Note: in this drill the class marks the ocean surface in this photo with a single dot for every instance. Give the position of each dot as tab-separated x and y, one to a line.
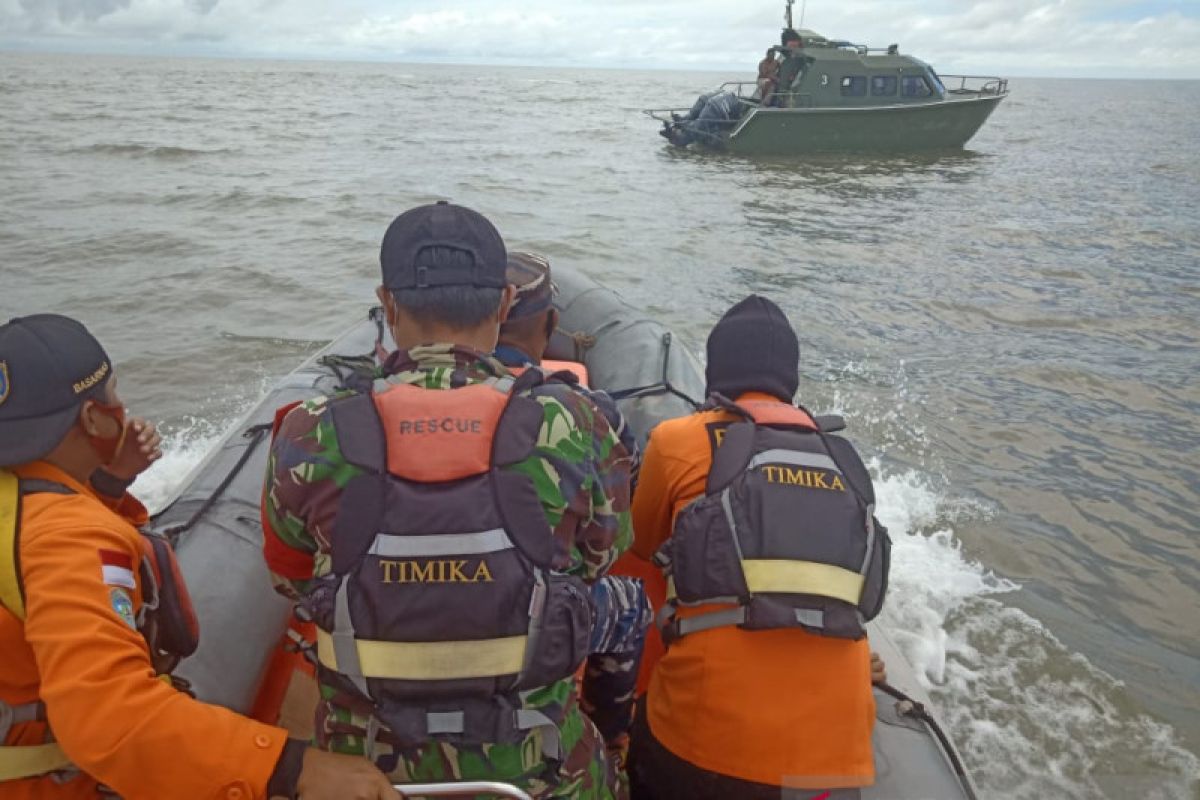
1012	330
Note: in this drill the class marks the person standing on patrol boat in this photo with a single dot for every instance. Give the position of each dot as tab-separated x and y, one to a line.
764	523
80	704
442	529
623	613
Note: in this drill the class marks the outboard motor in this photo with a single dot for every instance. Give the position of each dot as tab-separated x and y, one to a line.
712	115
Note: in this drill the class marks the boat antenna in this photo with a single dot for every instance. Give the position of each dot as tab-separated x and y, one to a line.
803	8
788	14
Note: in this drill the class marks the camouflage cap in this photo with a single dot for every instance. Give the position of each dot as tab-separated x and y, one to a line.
530	273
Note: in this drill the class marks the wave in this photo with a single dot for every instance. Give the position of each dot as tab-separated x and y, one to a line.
164	152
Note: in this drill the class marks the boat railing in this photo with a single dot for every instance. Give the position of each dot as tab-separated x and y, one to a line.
782	99
463	789
974	84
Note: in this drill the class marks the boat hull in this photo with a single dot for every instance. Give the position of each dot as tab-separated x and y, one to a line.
946	124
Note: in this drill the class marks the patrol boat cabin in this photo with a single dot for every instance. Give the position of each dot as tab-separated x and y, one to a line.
836	95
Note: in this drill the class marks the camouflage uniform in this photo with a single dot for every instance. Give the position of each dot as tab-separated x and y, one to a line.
623	612
581	473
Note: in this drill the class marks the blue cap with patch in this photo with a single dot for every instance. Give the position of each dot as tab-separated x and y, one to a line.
49	365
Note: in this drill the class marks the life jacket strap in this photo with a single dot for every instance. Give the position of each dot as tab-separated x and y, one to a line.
451	723
674	628
27	761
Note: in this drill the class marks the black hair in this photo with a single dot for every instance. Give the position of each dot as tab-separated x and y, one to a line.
456	306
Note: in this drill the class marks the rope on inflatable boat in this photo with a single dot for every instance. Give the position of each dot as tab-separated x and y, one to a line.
255	434
907	707
664	386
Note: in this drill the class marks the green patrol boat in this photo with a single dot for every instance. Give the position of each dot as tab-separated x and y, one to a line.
816	94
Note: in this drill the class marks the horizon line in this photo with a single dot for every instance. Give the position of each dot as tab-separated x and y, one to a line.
501	62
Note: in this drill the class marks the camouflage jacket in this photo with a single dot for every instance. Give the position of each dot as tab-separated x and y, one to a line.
581	473
623	612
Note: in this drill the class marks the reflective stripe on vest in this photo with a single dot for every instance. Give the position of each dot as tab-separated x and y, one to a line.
780	576
428	661
10	511
446	544
803	577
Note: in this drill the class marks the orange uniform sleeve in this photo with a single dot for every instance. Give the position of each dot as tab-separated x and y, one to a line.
654	501
109	712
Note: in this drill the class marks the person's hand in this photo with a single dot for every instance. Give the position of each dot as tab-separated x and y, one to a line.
878	669
142	447
331	776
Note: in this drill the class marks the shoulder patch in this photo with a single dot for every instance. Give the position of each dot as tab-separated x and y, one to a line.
122	604
4	383
716	433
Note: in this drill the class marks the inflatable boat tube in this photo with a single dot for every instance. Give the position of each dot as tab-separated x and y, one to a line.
214	521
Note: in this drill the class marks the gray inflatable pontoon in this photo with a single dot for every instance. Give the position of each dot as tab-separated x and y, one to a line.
214	520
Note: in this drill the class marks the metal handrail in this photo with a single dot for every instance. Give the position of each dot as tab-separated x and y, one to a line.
991	84
460	789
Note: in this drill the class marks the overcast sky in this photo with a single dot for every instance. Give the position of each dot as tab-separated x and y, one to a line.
1085	38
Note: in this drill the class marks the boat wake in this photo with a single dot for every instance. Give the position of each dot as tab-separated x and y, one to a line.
1031	718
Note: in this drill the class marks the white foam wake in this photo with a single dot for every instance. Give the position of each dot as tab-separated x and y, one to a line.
183	450
1032	719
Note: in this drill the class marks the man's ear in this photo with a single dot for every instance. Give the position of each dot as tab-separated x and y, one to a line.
506	300
551	322
389	305
88	419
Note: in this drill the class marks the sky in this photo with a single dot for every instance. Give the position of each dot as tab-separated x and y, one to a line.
1053	38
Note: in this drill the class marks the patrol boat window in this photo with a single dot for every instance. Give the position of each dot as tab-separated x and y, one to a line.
883	85
915	86
854	86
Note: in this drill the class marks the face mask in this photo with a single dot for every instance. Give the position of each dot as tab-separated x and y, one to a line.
107	448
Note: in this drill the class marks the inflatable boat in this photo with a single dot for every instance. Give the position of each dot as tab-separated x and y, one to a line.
214	521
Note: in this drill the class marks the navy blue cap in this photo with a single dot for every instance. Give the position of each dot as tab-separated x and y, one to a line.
49	365
442	225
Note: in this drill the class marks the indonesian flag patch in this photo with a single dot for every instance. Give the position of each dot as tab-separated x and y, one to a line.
117	569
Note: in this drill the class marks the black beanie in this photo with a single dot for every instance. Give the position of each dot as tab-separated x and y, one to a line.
753	349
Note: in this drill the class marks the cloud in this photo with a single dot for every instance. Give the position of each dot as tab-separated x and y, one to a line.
1086	37
41	12
202	6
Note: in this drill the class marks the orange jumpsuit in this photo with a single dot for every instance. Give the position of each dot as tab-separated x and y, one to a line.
780	707
119	724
